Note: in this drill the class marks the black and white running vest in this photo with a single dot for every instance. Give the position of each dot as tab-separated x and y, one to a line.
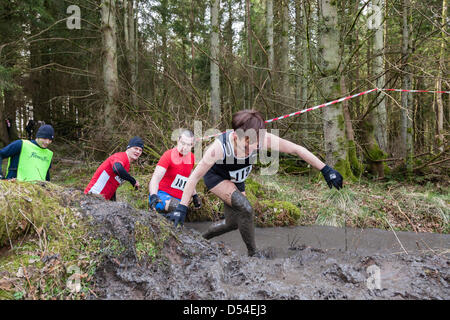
231	168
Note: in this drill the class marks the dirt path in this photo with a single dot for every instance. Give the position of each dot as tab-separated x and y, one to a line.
189	267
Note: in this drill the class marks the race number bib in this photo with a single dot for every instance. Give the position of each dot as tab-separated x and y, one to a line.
179	182
240	175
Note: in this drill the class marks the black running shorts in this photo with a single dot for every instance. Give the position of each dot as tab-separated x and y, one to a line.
212	179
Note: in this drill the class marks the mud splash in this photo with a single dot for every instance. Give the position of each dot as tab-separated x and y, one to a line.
182	265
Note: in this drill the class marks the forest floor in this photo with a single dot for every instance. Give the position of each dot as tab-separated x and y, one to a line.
66	245
57	243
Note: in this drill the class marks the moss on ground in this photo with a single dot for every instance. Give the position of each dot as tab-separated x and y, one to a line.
50	250
46	244
276	213
149	244
270	211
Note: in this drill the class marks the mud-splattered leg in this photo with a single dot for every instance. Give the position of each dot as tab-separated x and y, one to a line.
242	210
229	224
245	220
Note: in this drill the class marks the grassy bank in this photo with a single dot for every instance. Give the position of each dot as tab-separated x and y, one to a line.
365	204
50	249
44	243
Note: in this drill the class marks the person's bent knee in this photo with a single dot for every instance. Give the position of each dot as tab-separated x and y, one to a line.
240	203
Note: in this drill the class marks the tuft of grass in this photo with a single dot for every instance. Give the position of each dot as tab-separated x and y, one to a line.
145	245
364	204
151	239
337	207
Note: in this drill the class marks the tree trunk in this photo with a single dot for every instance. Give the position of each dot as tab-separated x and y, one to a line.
285	90
270	51
406	113
299	69
249	51
372	152
132	50
305	62
379	116
441	72
4	137
301	57
374	129
229	106
269	31
41	82
333	119
11	106
125	24
192	29
215	75
355	82
35	77
110	75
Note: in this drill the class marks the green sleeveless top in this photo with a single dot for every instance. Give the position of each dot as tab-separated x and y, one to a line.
34	162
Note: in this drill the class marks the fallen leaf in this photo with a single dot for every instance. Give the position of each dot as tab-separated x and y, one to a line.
19	273
5	284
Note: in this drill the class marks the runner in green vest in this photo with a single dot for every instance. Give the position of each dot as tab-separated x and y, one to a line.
30	160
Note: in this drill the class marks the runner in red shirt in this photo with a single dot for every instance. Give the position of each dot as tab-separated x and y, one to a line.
170	176
114	171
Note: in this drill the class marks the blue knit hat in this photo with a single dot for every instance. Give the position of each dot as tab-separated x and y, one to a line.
46	132
136	142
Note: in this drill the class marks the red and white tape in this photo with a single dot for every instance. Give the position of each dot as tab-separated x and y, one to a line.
414	91
334	102
321	106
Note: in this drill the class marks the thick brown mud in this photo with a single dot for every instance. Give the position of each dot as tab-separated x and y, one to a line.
190	267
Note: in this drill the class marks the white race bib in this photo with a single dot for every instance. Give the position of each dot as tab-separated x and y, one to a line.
240	175
179	182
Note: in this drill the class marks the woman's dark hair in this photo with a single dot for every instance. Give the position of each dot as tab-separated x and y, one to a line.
247	119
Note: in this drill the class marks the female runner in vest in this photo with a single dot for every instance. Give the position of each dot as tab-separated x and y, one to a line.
227	163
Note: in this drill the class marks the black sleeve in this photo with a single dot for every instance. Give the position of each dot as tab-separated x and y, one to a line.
47	177
122	173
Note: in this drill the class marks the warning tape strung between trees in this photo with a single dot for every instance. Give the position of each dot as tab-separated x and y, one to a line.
334	102
321	106
415	91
